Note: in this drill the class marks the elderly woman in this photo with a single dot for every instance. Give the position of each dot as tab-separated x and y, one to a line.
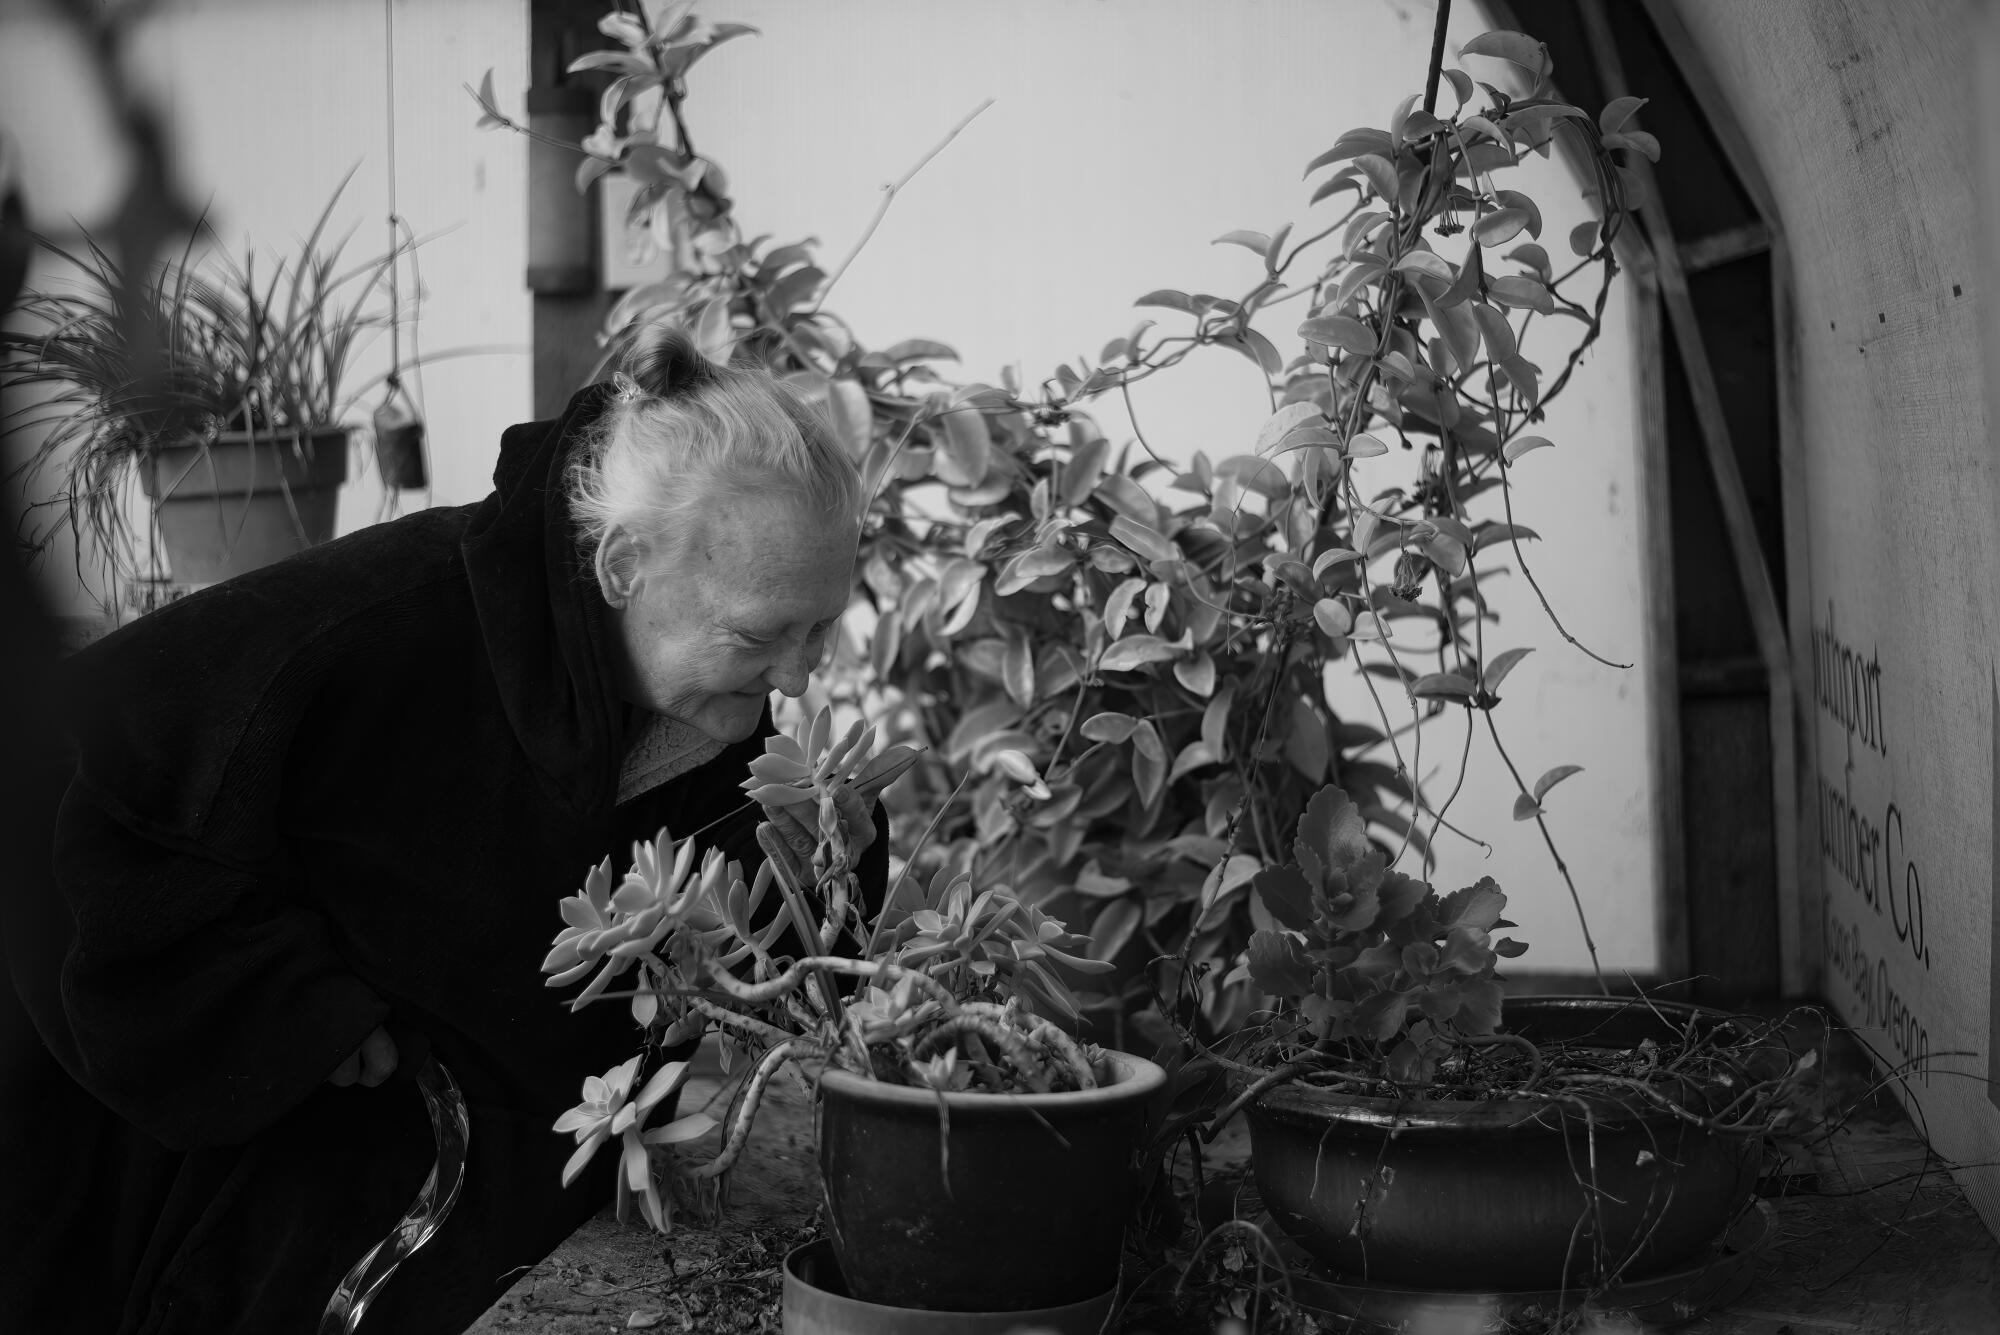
321	819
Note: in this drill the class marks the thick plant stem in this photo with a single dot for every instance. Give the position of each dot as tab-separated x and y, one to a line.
1010	1043
1065	1047
753	1097
1437	56
758	994
748	1024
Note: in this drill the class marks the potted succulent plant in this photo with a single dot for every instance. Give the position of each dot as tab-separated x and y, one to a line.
219	387
974	1156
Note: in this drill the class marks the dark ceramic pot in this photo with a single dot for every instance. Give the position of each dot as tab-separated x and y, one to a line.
1499	1194
1028	1210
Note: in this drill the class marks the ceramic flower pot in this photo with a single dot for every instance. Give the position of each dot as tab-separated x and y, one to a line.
1027	1209
1511	1193
817	1303
234	505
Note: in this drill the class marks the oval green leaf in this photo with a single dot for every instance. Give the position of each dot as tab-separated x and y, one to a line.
1554	777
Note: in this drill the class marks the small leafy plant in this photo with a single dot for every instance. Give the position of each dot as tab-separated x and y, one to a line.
1379	984
1370	962
956	989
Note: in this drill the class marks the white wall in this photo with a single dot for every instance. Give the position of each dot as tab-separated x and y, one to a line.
1863	118
1127	134
269	105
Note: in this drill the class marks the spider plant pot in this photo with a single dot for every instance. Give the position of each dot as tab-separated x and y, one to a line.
1516	1192
1026	1211
240	502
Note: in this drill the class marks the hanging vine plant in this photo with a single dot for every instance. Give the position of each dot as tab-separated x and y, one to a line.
1128	654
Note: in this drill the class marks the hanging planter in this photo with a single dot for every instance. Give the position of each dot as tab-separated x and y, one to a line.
399	441
240	502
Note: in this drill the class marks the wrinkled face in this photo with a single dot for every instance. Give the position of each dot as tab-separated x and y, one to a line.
740	609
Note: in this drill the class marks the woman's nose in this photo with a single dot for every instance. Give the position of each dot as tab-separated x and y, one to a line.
787	675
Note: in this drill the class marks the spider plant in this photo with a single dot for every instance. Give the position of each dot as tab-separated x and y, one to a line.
118	367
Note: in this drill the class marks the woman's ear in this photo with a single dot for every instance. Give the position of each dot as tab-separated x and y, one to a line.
617	563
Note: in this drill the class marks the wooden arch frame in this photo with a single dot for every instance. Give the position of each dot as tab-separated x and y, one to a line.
1714	332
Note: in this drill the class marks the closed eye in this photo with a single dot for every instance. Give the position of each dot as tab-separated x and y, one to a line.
755	640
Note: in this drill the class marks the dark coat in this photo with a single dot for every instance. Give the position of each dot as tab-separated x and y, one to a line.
343	791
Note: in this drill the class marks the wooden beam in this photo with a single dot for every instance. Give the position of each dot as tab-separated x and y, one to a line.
1801	928
1714	104
1661	664
1759	593
1720	248
1724	676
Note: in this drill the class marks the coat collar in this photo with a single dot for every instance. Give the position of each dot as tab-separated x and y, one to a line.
540	612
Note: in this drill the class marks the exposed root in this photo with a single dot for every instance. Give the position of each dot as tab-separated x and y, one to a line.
1516	1041
1266	1082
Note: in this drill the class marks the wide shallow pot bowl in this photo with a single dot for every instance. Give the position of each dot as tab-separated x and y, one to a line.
1022	1207
1711	1281
233	505
1511	1193
817	1303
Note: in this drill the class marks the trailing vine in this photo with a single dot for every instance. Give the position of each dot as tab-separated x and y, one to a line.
1126	654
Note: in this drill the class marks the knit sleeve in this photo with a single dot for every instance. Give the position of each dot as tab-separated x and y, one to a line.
201	987
203	1001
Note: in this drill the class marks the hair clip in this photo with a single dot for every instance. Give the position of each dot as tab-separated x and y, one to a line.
625	387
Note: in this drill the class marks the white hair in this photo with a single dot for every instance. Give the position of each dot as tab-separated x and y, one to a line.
684	434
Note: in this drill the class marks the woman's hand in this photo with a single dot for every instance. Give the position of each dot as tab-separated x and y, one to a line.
368	1065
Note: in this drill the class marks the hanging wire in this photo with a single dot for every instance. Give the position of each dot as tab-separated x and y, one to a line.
395	237
413	392
398	423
